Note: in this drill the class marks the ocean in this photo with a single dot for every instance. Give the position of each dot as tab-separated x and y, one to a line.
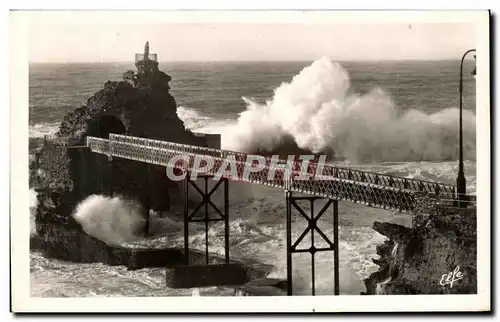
397	117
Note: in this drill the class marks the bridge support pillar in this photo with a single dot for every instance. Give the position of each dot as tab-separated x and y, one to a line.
190	216
147	199
110	174
292	247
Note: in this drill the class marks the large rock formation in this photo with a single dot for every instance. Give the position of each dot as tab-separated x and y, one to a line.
414	260
140	105
64	171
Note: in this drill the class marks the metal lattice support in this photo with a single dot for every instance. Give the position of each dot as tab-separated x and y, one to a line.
147	199
371	189
110	173
206	201
312	227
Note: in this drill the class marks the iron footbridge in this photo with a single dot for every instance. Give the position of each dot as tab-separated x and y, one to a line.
321	180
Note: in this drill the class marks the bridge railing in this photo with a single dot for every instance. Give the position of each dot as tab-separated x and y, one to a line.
272	174
346	184
451	200
372	189
429	204
313	168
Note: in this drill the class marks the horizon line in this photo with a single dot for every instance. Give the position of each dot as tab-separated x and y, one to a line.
248	61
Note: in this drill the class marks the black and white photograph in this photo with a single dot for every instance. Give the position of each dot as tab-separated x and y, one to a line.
184	156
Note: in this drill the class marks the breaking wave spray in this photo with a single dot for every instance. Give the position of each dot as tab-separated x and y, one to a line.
318	109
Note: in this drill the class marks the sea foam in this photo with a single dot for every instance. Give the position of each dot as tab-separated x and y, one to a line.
112	220
39	130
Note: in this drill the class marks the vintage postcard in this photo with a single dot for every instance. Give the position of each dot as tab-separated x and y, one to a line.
250	161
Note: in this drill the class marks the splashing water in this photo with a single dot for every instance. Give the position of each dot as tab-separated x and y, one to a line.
39	130
321	113
196	122
112	220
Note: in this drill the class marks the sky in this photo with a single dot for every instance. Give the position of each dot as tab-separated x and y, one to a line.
249	41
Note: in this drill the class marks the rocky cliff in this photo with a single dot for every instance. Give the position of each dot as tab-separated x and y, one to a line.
425	259
64	171
143	107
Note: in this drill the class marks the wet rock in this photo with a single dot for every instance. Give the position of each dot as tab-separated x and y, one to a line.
263	287
419	260
395	232
206	275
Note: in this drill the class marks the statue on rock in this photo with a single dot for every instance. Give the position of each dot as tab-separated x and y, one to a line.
148	74
145	64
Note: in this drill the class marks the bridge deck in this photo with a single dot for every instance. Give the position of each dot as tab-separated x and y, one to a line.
369	188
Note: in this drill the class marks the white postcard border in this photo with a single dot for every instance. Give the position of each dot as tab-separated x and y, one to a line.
20	262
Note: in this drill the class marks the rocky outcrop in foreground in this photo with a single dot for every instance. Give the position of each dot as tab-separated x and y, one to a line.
427	258
61	236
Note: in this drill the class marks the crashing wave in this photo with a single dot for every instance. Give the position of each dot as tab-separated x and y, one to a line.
318	111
